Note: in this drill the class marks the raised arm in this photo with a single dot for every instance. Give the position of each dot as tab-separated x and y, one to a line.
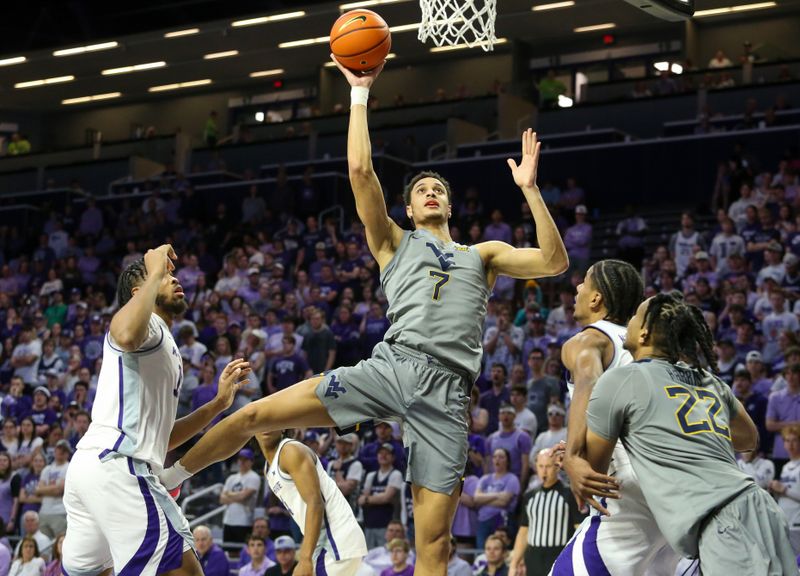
383	235
192	424
299	463
550	259
129	324
582	355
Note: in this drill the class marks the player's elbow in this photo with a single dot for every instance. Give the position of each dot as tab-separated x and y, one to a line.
126	339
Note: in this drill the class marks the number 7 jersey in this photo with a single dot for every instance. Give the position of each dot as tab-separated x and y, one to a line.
437	296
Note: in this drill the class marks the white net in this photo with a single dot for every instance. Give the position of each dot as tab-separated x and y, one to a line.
458	22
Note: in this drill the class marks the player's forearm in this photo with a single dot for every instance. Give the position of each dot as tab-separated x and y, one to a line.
129	325
189	426
576	426
359	148
54	490
382	498
547	235
314	511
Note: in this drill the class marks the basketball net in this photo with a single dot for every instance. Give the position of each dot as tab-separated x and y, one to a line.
458	22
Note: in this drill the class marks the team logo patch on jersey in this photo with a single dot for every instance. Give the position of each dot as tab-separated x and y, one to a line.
445	258
334	388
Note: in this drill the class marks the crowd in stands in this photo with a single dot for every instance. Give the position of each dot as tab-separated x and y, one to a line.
295	297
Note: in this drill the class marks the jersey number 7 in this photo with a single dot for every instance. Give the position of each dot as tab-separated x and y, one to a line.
441	279
692	397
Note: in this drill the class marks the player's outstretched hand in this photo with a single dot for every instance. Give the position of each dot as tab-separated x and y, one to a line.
231	380
586	484
525	173
160	260
364	79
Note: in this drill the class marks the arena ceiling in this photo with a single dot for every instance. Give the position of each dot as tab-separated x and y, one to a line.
138	29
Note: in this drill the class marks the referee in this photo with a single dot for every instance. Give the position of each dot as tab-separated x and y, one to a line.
548	519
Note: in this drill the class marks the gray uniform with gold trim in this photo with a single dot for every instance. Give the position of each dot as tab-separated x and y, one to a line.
674	422
422	373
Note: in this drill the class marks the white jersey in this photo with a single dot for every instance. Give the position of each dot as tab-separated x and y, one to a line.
616	334
629	541
684	250
137	398
341	537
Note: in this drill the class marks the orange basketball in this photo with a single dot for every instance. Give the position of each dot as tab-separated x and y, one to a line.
360	39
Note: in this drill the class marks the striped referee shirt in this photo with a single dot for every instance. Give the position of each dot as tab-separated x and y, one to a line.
550	515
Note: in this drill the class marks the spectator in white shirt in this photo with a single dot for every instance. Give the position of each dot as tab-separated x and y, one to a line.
775	323
787	489
773	264
502	343
724	245
30	527
346	470
555	433
191	348
720	61
525	419
26	355
239	495
52	514
758	468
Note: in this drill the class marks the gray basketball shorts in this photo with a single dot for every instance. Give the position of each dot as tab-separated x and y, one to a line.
749	535
401	384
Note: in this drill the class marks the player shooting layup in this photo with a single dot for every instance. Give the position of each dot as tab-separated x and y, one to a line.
680	425
627	542
422	373
119	516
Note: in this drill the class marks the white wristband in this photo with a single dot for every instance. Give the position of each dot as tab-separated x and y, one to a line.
174	476
359	95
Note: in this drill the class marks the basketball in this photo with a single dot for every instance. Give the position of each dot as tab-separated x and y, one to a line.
360	40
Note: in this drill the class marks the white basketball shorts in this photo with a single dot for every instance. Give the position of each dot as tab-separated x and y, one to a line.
119	515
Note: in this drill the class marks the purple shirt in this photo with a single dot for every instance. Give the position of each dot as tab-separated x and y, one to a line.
46	416
578	240
783	406
244	555
214	562
202	395
491	402
374	331
288	370
501	231
465	521
29	483
489	484
407	571
518	443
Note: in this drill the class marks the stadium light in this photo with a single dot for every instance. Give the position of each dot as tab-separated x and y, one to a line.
594	27
84	49
44	82
266	19
176	85
734	9
564	101
179	33
259	116
262	73
93	98
553	6
226	54
133	68
11	61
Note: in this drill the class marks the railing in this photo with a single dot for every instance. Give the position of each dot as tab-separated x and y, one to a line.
337	209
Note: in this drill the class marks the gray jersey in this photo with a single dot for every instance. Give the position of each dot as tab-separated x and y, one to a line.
437	296
675	425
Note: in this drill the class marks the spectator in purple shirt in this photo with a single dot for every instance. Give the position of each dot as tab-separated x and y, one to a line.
783	409
373	327
497	230
89	264
91	219
188	275
348	337
368	455
517	443
249	290
206	391
260	530
42	416
212	557
15	405
495	396
398	550
496	496
578	240
465	521
287	368
755	404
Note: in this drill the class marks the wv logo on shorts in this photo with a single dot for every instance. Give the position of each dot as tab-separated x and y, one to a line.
334	388
445	258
